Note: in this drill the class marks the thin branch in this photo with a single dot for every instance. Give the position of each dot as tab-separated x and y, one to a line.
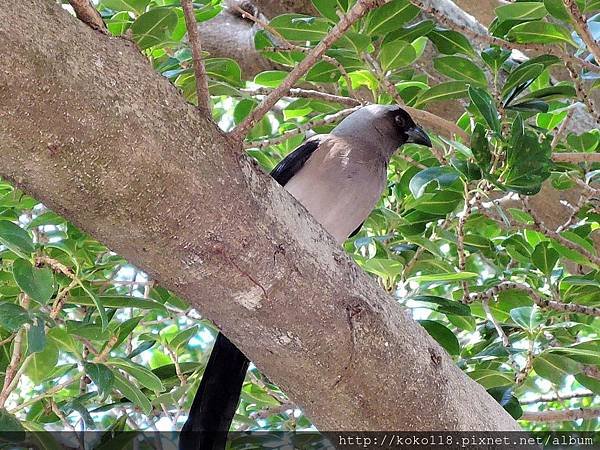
557	397
307	93
541	227
562	415
361	8
86	12
576	157
48	393
13	367
271	411
199	69
580	25
561	130
332	118
536	297
582	92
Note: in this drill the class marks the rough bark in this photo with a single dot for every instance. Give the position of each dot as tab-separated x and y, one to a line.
88	128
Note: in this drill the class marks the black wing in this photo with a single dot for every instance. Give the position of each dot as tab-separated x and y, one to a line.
292	163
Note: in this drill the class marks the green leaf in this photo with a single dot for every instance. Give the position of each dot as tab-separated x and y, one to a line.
442	175
298	27
390	17
443	305
557	9
13	317
382	267
101	375
519	78
47	218
494	57
42	362
97	303
144	376
224	69
489	378
559	92
397	54
461	69
521	11
182	338
36	336
437	277
410	33
481	148
486	106
544	257
119	23
270	78
450	42
463	322
154	27
135	6
539	32
16	239
36	283
329	8
528	163
117	301
554	367
527	317
132	392
10	424
440	203
503	395
442	335
447	90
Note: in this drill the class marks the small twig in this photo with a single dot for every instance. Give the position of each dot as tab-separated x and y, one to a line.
56	410
582	93
199	69
360	8
557	397
536	297
86	12
271	411
562	415
103	355
580	25
55	265
307	93
576	157
48	393
60	299
7	340
561	131
332	118
538	225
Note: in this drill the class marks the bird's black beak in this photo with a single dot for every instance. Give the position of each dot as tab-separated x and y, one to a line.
416	135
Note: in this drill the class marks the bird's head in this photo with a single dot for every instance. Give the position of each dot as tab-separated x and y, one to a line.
388	125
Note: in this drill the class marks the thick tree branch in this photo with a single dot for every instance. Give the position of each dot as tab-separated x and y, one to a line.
199	69
360	8
113	147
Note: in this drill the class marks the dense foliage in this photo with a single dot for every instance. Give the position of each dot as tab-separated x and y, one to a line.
88	341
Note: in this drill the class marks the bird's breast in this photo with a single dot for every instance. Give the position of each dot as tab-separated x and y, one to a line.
338	190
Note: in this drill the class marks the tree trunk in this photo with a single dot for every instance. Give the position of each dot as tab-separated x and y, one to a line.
88	128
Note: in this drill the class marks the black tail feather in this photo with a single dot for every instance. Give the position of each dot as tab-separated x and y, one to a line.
216	400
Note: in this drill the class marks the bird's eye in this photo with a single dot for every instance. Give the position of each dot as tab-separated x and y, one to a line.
400	121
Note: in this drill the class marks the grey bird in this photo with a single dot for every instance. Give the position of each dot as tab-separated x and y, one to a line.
338	177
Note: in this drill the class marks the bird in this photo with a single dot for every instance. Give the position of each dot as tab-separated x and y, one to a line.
338	177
